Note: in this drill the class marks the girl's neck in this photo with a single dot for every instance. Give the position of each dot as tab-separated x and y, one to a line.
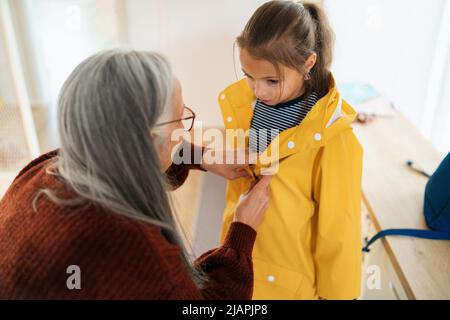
300	93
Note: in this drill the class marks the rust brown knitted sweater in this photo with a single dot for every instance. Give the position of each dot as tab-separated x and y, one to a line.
118	257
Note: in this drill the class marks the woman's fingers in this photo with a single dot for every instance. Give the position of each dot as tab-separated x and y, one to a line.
264	182
235	173
254	203
241	172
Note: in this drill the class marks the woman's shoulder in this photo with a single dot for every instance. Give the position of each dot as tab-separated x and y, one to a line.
39	162
37	176
24	200
29	180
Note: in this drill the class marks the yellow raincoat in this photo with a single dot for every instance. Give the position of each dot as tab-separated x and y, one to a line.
309	244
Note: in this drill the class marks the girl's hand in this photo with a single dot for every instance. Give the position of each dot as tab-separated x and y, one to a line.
230	164
253	204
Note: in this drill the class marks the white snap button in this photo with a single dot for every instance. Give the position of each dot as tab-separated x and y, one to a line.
229	119
291	144
317	137
223	96
271	278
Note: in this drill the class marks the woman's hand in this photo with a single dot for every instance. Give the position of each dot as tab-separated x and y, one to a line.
253	204
230	164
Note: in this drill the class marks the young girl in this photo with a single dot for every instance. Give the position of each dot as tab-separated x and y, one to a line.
309	245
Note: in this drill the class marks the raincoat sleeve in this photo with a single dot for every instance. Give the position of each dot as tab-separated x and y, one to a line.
337	244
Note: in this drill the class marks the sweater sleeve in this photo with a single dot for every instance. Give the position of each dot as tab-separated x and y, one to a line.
177	173
229	268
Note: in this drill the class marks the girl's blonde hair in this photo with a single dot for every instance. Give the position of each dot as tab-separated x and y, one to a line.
287	33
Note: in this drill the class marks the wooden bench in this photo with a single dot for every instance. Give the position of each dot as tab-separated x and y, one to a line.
393	198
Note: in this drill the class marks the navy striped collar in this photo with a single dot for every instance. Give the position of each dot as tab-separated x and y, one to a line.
289	103
277	119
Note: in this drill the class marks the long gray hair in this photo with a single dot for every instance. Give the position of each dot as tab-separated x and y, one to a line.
106	111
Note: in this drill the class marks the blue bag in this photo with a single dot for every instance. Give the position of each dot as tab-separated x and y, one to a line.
436	209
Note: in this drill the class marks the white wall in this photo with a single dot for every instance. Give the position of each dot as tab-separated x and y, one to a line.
7	92
70	32
197	36
387	43
440	134
391	45
53	37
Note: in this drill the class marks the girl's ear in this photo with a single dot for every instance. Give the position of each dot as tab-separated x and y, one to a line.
310	62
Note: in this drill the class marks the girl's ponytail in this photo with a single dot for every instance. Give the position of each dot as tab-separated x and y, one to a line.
324	42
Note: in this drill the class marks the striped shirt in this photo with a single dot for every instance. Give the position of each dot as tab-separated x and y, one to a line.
270	121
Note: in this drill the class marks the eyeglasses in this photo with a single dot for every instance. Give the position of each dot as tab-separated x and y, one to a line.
187	120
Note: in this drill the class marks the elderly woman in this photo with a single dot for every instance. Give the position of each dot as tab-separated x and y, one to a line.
92	220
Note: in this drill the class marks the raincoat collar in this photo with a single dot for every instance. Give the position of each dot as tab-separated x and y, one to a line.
327	118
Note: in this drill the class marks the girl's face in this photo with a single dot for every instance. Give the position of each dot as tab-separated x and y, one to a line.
267	85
